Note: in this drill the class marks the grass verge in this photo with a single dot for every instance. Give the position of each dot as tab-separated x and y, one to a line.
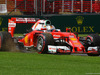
47	64
80	35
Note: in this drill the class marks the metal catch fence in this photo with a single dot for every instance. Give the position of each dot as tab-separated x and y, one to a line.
52	7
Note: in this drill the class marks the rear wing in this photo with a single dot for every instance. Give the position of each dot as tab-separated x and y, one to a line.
12	23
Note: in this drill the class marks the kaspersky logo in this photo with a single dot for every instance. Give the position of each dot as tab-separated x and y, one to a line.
79	20
1	19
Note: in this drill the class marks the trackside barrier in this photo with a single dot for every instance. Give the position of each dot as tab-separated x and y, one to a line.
78	23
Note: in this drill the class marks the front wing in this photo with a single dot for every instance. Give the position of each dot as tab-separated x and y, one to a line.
58	49
65	49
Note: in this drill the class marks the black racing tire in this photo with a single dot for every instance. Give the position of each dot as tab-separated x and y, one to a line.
43	41
7	43
90	54
93	40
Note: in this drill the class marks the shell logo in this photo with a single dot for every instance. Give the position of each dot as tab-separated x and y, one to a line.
73	39
26	39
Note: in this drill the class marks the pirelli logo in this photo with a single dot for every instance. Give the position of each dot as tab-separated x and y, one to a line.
0	41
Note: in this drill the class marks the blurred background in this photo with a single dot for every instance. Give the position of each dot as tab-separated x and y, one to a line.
82	16
45	7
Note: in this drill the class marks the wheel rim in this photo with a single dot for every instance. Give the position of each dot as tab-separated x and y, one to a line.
89	41
40	44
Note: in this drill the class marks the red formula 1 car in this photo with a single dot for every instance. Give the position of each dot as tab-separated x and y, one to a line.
50	41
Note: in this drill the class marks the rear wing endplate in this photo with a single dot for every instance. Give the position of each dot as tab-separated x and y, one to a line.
12	23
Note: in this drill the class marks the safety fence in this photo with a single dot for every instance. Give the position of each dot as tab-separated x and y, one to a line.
52	7
2	2
72	6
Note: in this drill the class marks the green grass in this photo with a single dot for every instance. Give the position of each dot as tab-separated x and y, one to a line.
82	35
18	35
47	64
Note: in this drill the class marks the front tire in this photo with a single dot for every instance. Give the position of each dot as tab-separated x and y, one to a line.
43	41
93	40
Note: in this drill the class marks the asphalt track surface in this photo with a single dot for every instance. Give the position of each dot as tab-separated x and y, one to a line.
34	51
79	54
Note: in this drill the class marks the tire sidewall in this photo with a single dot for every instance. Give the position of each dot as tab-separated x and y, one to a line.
95	39
47	40
41	36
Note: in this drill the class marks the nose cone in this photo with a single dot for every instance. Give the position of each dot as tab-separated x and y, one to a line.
77	46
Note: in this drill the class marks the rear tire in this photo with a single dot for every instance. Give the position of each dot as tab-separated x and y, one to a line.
7	43
43	41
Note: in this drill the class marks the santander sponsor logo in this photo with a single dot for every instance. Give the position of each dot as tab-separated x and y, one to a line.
52	48
56	36
20	19
31	20
25	20
11	24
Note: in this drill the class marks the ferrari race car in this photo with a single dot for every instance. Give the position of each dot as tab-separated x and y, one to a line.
48	41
